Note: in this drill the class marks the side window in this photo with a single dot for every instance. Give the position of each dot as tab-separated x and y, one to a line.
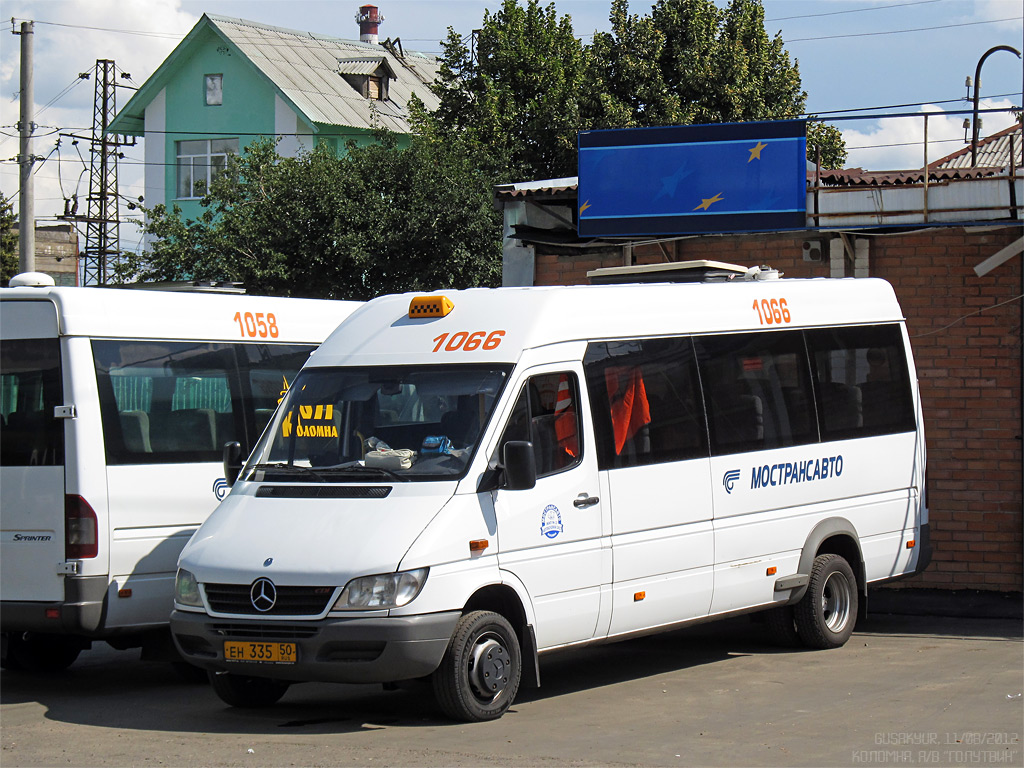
166	402
646	402
861	379
271	369
30	387
758	390
547	414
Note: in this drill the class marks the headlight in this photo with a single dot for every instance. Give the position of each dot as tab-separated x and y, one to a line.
186	589
387	590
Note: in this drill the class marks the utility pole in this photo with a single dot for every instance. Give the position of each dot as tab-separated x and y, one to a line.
102	221
26	202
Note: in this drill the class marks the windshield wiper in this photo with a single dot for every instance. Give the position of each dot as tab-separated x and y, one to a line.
294	468
355	467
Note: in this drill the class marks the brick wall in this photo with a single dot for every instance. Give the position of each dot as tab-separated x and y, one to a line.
970	374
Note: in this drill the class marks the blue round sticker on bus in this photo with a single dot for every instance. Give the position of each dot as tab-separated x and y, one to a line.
551	521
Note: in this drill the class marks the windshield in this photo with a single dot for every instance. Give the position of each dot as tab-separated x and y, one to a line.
404	423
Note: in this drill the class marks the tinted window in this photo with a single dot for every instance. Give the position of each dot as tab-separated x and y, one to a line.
645	400
758	390
30	388
547	415
862	383
165	402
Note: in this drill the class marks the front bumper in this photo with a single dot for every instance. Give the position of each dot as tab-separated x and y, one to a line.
357	650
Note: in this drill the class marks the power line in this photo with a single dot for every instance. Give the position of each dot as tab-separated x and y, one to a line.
853	10
901	31
902	106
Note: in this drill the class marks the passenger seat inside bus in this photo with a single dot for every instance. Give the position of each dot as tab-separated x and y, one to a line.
189	429
135	431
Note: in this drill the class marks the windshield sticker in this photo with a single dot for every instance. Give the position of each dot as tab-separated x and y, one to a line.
313	421
551	521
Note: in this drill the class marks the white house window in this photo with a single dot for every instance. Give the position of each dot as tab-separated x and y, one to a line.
200	161
214	90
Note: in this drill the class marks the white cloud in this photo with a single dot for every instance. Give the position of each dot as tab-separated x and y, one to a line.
898	143
69	36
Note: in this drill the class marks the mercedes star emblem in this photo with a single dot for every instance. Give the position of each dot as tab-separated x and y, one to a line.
263	595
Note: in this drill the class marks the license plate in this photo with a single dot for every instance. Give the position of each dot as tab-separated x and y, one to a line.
269	653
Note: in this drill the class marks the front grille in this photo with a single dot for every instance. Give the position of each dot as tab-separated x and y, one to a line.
291	601
323	491
264	631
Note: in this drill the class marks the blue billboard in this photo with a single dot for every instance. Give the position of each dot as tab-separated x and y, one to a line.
729	177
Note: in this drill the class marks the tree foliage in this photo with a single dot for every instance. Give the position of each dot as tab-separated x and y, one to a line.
9	262
532	86
518	93
378	220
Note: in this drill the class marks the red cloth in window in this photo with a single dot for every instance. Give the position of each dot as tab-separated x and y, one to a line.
628	399
565	418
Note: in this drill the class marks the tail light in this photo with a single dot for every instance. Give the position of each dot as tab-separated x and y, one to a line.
80	529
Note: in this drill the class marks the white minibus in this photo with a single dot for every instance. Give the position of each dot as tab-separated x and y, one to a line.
457	484
114	409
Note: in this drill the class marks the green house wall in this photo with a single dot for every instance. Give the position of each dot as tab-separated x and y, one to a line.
247	111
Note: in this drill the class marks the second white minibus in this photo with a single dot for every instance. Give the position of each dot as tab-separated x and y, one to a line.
115	405
457	484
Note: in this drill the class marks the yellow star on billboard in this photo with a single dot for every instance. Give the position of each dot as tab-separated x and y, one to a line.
756	151
707	202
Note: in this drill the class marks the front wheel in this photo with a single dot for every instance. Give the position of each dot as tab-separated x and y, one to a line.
479	674
247	692
828	611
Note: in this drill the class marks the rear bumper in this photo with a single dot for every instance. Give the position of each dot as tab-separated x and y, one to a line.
81	612
367	650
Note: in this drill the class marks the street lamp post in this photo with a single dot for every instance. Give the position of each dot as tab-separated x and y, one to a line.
977	85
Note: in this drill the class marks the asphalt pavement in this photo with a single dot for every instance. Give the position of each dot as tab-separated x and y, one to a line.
905	690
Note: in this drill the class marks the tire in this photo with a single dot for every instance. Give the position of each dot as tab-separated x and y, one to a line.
41	653
780	624
826	615
7	659
479	674
247	692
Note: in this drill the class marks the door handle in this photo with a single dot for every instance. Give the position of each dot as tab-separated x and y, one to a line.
583	501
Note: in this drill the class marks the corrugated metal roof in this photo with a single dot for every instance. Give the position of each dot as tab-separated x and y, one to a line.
993	151
538	188
857	177
365	66
307	68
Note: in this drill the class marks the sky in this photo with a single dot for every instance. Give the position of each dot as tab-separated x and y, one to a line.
856	57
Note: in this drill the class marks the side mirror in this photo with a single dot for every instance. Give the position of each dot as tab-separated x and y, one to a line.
520	465
232	461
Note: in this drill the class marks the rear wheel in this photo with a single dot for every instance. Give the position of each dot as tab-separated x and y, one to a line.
36	652
479	675
826	615
247	692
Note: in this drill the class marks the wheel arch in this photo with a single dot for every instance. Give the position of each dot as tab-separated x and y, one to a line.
503	599
834	536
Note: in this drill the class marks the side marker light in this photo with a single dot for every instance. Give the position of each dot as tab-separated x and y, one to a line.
478	545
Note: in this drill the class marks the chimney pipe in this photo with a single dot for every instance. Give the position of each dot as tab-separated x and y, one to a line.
368	18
